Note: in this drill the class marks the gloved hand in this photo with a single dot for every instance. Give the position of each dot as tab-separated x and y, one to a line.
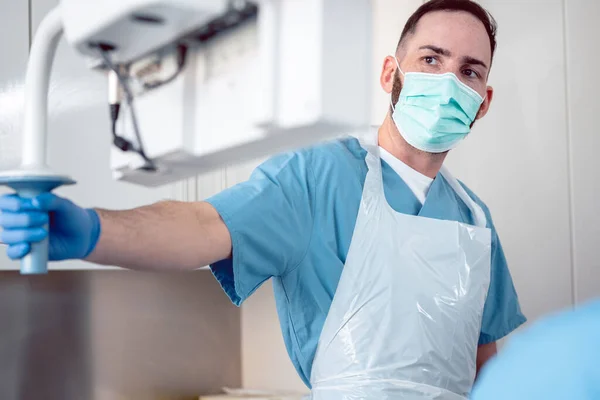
74	231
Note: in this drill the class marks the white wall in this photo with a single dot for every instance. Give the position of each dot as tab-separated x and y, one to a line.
14	24
533	160
583	85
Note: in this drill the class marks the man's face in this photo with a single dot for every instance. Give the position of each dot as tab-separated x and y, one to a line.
443	42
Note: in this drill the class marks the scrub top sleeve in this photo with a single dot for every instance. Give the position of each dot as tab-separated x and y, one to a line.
270	220
502	311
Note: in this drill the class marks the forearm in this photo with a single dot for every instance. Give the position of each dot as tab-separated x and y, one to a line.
484	354
168	235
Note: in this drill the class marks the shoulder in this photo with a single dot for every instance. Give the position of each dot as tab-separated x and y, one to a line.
477	199
479	202
324	159
346	150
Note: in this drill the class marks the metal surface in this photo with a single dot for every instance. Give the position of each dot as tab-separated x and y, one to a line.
116	335
45	346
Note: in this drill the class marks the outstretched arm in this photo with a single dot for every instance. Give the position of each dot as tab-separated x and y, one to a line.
169	235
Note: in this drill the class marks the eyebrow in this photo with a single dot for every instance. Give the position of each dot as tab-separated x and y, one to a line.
448	53
473	61
435	49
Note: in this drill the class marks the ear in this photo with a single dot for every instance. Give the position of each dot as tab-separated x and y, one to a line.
387	74
485	106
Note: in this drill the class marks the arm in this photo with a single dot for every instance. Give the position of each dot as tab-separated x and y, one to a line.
484	353
168	235
248	233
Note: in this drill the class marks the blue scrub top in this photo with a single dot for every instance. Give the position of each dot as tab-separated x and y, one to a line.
293	221
556	359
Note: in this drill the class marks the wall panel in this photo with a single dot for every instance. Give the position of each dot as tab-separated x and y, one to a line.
583	85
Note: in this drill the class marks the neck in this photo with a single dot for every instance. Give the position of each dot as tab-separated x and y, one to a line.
391	140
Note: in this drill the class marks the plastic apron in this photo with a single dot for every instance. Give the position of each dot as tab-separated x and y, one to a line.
406	317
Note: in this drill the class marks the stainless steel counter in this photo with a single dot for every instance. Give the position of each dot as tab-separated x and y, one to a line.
113	335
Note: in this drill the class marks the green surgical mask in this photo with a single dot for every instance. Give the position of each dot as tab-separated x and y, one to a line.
434	112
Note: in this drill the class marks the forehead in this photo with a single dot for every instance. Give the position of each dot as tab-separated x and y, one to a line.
460	32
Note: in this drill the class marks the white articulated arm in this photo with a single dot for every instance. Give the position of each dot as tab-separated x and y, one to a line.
35	177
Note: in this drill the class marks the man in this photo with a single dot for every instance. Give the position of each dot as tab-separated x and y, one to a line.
423	269
555	359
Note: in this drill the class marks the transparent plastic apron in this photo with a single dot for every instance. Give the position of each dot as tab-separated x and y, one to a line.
406	317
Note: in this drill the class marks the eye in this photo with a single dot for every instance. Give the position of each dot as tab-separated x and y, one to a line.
430	60
470	73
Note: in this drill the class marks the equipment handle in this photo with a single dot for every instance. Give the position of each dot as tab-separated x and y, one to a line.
36	261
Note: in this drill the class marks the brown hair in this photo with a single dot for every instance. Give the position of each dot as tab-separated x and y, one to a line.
468	6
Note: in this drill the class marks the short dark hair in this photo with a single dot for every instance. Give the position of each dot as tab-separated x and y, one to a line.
468	6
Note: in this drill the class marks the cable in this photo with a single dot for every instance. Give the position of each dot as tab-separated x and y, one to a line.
120	142
181	57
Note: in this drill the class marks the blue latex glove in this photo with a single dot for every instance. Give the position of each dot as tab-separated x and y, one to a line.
557	359
74	231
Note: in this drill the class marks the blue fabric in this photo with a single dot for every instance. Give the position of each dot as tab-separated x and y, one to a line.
555	359
293	221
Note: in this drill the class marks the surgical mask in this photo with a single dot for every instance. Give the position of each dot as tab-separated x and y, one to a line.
434	112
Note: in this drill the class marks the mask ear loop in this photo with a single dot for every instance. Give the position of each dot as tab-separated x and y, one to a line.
399	70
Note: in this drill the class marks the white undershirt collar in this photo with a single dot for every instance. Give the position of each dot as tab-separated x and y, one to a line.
418	183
